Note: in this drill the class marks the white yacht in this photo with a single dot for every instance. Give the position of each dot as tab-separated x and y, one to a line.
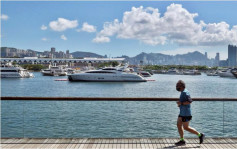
109	74
226	73
10	71
54	71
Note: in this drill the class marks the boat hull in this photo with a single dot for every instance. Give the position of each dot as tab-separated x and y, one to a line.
105	78
226	75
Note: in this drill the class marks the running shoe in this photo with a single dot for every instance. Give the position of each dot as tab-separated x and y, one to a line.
180	143
201	138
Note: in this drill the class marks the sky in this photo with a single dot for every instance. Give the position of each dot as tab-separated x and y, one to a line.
117	28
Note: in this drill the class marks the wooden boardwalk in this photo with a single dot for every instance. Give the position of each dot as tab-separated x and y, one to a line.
90	143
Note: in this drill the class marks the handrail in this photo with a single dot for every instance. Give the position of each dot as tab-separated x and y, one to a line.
113	99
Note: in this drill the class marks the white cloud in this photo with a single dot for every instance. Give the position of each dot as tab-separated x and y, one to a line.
177	25
101	39
43	27
63	37
88	28
44	39
4	17
63	24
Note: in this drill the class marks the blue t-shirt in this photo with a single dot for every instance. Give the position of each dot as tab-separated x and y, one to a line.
185	110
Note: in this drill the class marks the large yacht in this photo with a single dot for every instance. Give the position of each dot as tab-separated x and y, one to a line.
226	73
54	71
10	71
109	74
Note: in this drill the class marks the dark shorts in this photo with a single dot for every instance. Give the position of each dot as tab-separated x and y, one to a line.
186	118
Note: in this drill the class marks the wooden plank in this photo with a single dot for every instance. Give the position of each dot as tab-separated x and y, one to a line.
227	145
72	144
125	141
115	143
102	146
83	141
130	143
150	145
98	143
94	144
107	143
231	143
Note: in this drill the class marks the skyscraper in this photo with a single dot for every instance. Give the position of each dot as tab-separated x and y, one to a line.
232	55
53	50
217	59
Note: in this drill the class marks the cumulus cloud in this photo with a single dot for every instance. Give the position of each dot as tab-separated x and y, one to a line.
63	37
177	25
101	39
43	27
44	39
63	24
88	28
4	17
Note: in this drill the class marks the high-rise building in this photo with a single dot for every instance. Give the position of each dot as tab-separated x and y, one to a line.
217	59
206	55
53	50
232	55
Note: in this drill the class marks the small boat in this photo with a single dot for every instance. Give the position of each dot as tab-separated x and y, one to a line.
54	71
192	72
109	74
172	71
213	73
10	71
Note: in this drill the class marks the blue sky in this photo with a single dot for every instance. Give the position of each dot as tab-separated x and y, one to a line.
157	26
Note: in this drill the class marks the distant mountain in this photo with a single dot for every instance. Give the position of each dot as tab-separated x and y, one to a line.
193	58
80	54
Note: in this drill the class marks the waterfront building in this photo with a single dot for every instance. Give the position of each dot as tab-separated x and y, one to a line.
223	63
232	55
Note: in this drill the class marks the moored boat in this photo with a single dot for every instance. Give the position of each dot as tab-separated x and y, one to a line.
10	71
109	74
226	73
192	72
54	71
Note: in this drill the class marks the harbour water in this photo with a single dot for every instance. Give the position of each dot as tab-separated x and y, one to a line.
115	119
163	86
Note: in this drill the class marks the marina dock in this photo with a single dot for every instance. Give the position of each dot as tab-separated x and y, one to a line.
116	143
